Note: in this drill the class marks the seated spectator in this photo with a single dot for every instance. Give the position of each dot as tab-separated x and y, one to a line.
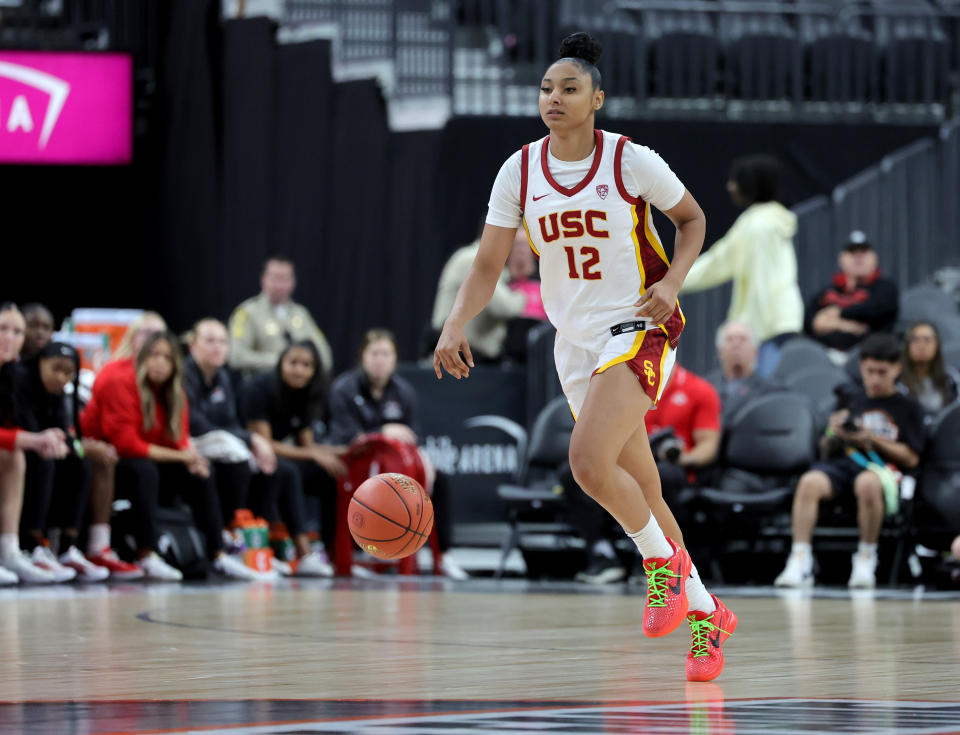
56	491
147	418
283	408
857	302
522	269
138	332
14	441
263	325
684	431
214	425
487	331
757	254
924	375
372	398
691	407
40	328
113	377
873	430
737	379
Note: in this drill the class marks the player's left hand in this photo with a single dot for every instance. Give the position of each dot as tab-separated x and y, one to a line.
658	302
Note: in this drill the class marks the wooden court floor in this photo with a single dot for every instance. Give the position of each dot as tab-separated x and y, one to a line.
391	656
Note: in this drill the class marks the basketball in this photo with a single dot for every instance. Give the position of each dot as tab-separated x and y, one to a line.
390	516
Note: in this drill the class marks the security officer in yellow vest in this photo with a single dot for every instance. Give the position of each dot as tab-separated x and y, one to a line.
263	325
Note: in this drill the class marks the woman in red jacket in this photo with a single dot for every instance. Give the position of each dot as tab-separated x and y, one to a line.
116	372
14	565
145	416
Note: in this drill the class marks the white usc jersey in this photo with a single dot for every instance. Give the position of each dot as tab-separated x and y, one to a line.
597	244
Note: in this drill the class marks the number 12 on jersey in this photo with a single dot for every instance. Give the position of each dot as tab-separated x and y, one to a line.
591	257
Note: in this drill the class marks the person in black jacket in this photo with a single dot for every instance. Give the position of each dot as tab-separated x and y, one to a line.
214	420
858	301
40	328
56	490
286	408
372	398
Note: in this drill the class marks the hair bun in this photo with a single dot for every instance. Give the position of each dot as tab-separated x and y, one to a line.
581	45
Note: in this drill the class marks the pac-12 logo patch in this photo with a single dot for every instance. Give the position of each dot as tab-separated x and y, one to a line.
603	190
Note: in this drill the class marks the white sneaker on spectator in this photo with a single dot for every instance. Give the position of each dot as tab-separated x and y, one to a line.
230	566
282	567
270	575
28	572
797	573
602	570
156	569
86	570
313	565
44	558
450	568
8	577
361	572
863	574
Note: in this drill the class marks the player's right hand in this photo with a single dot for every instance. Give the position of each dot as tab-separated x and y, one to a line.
452	342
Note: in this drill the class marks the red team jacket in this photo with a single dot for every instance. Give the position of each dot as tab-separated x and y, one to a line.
114	414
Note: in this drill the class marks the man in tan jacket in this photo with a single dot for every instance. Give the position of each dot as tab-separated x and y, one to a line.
262	326
488	330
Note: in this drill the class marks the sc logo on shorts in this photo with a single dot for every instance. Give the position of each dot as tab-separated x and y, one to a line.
649	372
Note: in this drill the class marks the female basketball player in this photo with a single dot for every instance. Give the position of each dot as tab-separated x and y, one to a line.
584	197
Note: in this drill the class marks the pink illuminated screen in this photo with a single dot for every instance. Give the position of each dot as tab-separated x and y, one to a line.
68	108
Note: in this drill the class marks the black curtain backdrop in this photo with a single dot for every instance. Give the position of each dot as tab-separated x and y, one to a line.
184	227
253	149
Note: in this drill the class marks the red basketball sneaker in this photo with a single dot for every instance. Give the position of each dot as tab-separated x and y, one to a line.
708	632
119	569
666	592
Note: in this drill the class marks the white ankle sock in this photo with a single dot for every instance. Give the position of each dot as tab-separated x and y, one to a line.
801	548
866	550
651	542
697	595
9	545
99	538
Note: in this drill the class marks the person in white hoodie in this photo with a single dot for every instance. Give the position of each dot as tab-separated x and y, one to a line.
757	254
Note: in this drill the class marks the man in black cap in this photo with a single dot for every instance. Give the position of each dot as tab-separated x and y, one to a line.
858	301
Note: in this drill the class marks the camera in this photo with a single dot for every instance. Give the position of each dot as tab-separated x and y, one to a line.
850	425
666	446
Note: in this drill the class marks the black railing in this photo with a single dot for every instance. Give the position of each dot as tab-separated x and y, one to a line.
413	35
88	25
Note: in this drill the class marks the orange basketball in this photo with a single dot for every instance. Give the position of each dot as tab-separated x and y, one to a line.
390	516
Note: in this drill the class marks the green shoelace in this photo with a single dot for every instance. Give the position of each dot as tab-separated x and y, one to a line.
701	629
657	578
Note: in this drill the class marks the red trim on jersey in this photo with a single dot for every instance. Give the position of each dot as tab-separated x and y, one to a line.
524	159
654	269
617	175
597	153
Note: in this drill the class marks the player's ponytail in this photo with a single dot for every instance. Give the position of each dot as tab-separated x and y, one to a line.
585	51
